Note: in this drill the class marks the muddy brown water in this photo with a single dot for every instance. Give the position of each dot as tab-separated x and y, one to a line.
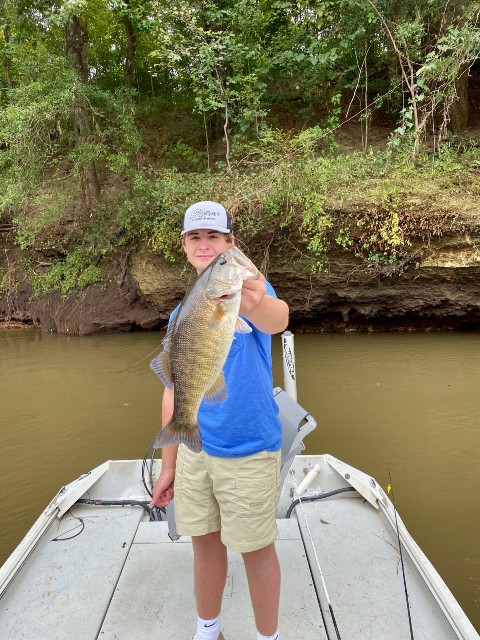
408	403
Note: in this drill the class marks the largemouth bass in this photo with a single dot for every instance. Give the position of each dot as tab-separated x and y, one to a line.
197	344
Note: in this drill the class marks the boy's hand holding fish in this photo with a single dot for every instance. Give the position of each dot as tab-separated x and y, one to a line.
253	292
262	310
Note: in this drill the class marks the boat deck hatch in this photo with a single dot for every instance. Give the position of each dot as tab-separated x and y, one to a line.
154	596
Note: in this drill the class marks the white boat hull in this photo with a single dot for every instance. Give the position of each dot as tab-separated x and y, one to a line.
89	571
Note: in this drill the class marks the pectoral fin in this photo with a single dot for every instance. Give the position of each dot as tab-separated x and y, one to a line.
218	391
217	316
241	326
161	366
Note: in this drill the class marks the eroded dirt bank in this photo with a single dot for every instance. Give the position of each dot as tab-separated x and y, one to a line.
442	291
117	305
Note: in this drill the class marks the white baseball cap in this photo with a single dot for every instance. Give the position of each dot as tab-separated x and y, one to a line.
207	215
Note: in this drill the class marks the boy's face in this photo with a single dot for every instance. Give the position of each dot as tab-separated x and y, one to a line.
203	245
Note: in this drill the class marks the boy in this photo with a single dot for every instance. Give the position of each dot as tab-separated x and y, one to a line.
226	495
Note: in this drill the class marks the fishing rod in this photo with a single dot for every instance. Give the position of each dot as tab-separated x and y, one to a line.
290	383
324	586
390	490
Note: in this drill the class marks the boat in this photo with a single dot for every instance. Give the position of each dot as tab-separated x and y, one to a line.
100	563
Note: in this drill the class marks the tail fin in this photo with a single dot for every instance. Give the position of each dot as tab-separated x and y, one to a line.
170	436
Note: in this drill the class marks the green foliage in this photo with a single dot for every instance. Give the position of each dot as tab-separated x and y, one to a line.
201	117
75	271
391	205
435	46
116	135
184	154
31	130
216	55
165	199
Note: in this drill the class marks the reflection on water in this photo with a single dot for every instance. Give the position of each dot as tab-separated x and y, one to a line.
404	403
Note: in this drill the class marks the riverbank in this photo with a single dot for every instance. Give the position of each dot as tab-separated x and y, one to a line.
376	241
441	292
4	324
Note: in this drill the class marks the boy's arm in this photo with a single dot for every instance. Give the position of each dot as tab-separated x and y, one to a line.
268	314
163	489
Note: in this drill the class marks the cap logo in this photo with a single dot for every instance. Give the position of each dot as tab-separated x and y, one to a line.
201	214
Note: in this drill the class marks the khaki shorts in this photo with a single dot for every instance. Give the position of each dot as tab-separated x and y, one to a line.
237	496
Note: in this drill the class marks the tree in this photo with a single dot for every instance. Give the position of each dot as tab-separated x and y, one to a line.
435	45
76	45
7	18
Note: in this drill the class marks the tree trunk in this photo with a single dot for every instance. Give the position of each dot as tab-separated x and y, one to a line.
76	46
89	182
459	110
129	71
7	62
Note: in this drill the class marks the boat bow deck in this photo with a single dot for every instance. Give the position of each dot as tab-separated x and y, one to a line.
109	572
133	583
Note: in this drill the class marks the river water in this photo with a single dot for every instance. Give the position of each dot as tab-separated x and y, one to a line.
406	403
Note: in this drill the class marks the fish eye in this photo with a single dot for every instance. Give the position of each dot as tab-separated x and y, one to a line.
222	261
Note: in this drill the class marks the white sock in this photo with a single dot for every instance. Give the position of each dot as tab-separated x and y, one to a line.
274	637
207	629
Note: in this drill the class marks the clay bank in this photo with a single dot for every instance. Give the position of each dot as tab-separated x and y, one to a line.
437	287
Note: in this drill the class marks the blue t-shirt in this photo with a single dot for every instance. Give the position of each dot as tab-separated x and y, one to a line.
247	421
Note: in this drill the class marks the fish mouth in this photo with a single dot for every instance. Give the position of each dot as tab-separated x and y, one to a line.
223	298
